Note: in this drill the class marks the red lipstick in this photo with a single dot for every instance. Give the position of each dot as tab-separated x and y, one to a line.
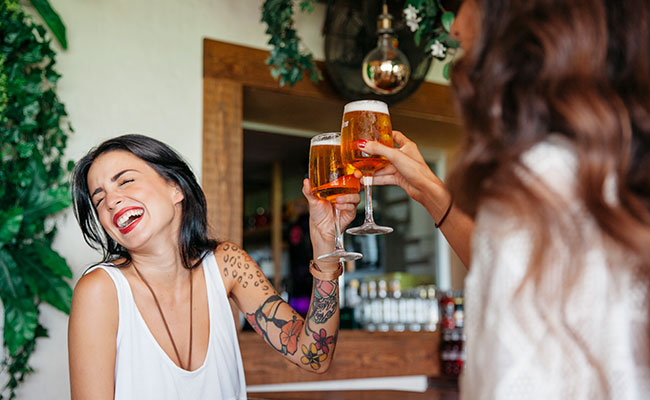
132	225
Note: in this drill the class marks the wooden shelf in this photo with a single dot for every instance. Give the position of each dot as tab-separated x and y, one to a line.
358	354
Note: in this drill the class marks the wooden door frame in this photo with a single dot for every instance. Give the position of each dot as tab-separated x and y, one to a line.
229	71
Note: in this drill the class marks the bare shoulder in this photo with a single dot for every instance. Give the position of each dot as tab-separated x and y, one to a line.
97	284
95	293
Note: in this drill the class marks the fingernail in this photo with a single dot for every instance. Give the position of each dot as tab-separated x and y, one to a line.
362	143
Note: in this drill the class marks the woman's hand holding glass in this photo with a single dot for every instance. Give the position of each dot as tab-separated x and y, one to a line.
366	120
409	170
322	218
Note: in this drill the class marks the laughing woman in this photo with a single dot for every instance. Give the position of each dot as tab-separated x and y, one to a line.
152	320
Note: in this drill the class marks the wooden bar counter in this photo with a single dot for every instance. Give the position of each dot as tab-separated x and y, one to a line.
359	354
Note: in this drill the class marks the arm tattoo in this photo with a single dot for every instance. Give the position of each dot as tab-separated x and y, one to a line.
237	264
280	334
318	351
325	301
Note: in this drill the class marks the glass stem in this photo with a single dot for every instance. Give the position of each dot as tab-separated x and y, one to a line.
338	235
367	185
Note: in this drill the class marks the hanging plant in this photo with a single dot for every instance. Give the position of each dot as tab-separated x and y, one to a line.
431	24
289	59
428	20
33	136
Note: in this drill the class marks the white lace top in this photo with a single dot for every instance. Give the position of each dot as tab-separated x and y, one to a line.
589	342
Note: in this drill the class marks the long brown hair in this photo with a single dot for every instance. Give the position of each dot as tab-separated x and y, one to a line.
579	68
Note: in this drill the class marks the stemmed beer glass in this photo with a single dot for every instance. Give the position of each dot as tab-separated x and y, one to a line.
329	179
367	120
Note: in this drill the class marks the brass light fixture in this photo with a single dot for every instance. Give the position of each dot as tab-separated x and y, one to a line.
385	68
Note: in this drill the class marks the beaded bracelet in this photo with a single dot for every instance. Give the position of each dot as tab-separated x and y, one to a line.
322	275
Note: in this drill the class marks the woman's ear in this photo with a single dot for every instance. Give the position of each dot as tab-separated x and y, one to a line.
178	195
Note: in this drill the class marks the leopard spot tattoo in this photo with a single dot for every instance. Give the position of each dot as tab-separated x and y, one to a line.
245	284
239	279
234	273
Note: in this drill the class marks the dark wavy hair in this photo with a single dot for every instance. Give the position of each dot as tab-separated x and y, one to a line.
193	238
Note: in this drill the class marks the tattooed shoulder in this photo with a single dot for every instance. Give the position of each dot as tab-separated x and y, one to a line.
238	266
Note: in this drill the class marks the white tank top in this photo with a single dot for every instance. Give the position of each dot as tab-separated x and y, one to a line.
144	371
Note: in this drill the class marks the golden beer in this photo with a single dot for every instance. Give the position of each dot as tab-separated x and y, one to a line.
367	120
329	179
328	176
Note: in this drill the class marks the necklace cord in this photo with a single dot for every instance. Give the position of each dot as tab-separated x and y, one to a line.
162	315
189	358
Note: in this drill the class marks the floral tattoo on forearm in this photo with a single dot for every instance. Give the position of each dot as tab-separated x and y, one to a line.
282	335
324	306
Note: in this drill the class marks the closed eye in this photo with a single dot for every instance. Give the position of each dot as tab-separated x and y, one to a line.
122	183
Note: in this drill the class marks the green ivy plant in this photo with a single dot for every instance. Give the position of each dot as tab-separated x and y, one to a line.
33	136
288	60
431	24
428	19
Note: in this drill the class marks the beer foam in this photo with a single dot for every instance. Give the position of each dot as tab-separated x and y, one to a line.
330	141
367	105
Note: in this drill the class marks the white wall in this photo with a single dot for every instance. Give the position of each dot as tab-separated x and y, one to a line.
135	66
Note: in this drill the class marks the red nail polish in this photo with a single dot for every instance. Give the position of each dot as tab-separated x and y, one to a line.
362	143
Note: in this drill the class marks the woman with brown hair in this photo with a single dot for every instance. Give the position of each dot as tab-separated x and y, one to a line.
555	174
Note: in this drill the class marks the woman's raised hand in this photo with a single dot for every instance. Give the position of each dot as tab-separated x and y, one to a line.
409	171
321	218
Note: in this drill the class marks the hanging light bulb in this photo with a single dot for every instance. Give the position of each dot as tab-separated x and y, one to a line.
385	68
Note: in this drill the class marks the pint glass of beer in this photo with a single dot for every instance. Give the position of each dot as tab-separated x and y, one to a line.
367	120
330	178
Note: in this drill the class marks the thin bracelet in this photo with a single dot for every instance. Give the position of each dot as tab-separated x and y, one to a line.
439	223
322	275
